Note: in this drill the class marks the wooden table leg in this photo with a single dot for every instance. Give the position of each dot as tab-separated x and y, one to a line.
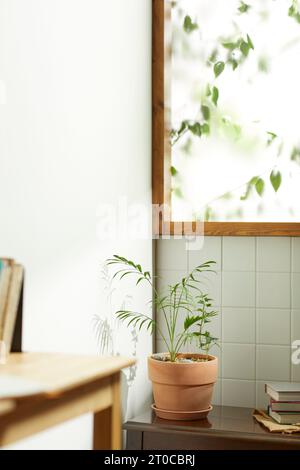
107	423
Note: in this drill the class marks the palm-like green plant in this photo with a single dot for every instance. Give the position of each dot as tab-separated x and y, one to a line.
185	297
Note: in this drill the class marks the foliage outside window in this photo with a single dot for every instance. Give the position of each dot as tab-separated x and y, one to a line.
235	103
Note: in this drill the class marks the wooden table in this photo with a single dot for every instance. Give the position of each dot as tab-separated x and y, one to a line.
72	386
226	428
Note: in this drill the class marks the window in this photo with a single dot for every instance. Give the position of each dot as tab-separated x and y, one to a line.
226	146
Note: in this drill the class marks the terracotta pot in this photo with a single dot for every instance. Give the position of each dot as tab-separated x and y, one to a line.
183	387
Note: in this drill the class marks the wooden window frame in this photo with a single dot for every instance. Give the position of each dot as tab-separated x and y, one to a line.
161	149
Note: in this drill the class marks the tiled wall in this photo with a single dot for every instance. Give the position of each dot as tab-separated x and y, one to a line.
257	292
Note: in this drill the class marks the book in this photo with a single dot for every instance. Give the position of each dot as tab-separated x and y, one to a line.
283	391
5	277
12	305
285	418
285	406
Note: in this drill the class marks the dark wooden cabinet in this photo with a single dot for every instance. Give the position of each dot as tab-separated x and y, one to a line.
226	428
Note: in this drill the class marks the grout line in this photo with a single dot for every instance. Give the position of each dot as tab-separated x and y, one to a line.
252	307
284	346
236	271
241	380
256	344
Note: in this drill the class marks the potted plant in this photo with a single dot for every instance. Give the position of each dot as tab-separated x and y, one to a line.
182	382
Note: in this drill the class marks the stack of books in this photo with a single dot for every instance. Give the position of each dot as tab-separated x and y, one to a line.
284	404
11	280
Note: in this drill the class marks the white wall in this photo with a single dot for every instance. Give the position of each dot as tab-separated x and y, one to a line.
75	132
256	292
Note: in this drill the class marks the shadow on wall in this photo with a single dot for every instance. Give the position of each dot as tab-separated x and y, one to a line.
110	334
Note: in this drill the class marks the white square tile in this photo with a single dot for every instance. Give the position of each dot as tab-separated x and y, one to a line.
216	399
238	361
211	284
273	290
238	325
262	399
171	254
273	254
273	363
295	325
213	326
160	346
238	289
238	254
238	393
295	349
210	250
296	290
273	326
296	373
165	278
296	255
217	351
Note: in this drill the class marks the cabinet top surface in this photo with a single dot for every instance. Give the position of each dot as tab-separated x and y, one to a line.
222	420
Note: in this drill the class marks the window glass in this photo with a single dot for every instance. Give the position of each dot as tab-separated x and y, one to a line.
235	107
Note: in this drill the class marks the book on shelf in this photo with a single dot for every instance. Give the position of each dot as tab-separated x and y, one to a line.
285	418
5	278
283	391
282	406
11	281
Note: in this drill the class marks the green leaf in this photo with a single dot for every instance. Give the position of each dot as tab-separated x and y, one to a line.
243	8
234	64
178	193
195	129
247	193
215	95
173	171
292	10
205	129
205	112
263	64
213	57
208	90
254	180
188	25
229	45
260	186
219	68
183	126
190	321
272	137
250	43
207	214
295	155
276	179
244	47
